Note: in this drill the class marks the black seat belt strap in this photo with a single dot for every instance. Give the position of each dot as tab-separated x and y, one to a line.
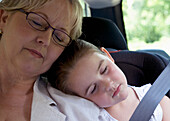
153	97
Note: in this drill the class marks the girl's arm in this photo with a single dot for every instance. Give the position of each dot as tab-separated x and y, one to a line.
165	104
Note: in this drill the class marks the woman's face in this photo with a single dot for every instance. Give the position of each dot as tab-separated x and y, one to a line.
97	78
28	50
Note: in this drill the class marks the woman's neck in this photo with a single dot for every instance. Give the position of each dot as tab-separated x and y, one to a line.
13	82
15	92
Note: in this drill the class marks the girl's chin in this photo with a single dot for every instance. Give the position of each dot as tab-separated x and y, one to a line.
124	94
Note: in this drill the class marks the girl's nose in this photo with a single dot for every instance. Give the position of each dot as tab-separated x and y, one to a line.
107	85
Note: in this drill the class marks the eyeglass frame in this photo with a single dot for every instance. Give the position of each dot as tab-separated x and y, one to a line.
46	28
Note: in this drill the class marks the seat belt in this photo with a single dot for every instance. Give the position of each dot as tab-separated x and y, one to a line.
160	87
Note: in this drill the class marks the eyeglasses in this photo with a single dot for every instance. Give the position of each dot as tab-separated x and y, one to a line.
41	24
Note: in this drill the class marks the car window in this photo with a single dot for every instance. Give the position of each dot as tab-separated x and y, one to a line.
147	24
86	8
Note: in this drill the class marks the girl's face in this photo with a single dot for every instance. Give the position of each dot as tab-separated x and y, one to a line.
97	78
28	50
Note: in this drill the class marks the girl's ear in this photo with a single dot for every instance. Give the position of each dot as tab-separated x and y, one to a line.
108	54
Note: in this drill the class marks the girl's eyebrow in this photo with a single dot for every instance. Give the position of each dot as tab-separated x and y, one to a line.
100	63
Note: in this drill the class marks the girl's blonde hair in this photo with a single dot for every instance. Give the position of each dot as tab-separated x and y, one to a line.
11	5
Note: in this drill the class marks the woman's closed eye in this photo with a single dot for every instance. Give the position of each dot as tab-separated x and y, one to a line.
57	36
36	23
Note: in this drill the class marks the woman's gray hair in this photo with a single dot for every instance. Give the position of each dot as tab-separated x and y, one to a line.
11	5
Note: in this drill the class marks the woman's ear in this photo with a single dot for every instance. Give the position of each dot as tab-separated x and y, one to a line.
3	18
108	54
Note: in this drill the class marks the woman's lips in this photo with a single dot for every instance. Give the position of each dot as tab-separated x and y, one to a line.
35	53
117	91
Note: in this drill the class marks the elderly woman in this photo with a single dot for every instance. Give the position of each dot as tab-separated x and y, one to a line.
33	33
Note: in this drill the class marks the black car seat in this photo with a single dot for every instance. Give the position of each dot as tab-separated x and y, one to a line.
139	67
103	32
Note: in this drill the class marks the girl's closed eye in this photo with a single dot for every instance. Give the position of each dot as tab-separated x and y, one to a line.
91	89
103	71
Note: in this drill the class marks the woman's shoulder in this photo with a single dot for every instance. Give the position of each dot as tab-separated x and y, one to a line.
71	105
44	108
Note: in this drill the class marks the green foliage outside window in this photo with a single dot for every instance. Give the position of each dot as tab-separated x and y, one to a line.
146	20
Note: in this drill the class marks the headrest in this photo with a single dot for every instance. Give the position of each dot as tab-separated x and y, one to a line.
102	3
103	32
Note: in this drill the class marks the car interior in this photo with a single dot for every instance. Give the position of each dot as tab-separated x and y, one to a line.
102	16
104	27
140	67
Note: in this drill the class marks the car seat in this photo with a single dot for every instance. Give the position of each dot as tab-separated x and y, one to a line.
103	32
139	67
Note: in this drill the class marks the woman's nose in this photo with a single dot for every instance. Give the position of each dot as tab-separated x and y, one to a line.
44	37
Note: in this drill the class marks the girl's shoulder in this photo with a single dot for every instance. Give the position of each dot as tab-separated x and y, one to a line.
141	91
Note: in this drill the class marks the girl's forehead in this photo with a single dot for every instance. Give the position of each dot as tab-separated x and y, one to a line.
89	62
90	59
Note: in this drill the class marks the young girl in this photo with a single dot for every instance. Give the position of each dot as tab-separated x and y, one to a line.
86	71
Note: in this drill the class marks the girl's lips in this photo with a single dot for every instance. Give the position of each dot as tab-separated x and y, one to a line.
35	53
117	91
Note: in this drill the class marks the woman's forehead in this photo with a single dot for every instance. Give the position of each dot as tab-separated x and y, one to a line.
59	14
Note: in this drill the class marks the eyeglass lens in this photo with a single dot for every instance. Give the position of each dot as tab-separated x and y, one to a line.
39	23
